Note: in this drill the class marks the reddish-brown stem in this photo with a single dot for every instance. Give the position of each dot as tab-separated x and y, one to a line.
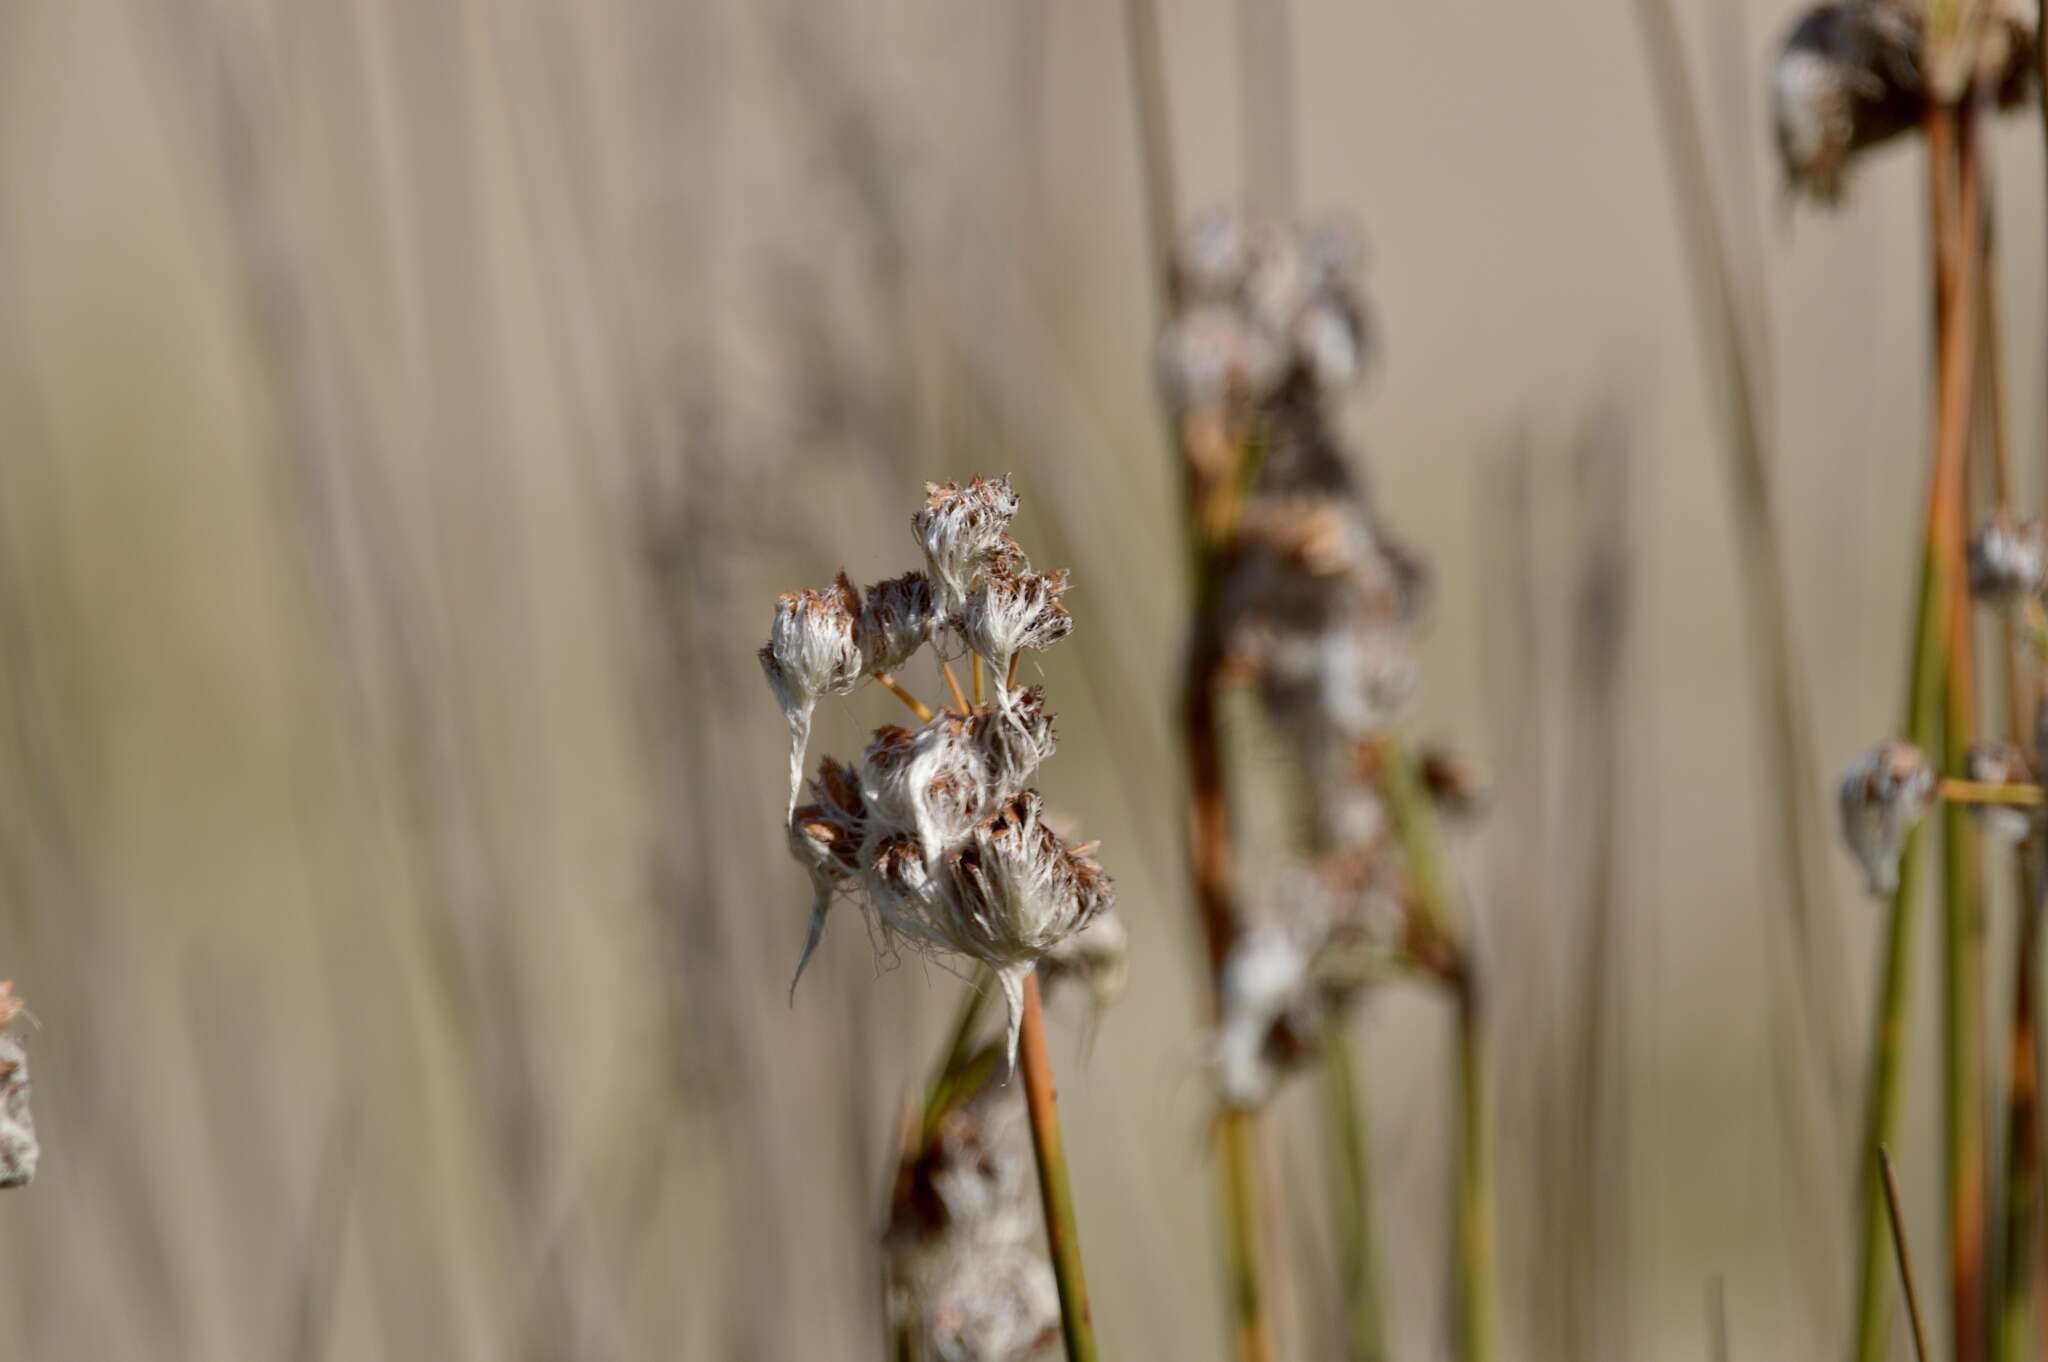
1953	196
953	685
1062	1236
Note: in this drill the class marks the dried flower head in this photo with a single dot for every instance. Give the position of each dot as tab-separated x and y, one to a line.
1265	307
1885	793
960	529
1853	74
19	1149
897	618
811	652
938	834
1270	1013
2008	559
1008	611
1018	891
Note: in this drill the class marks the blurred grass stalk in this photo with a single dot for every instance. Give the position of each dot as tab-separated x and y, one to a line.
1351	1162
1208	827
1409	809
1954	202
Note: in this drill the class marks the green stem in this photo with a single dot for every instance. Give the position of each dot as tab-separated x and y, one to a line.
1415	827
1056	1193
1888	1028
1241	1235
1351	1176
1477	1292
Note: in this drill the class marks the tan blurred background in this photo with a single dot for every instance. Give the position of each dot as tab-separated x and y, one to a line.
408	412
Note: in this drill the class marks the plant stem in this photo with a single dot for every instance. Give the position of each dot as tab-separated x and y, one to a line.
895	688
1351	1176
1956	790
953	685
2021	1207
1905	1256
1209	838
1953	180
1062	1236
1441	947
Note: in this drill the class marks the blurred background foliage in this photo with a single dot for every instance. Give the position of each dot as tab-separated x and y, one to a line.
408	413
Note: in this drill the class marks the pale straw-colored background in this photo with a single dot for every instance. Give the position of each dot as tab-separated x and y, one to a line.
408	412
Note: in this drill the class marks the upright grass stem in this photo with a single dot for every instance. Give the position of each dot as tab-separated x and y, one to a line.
1953	193
2020	1208
1208	826
1062	1235
1935	637
1350	1162
1445	949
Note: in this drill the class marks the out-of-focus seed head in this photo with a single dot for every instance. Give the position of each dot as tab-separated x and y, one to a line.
811	652
1266	310
1097	957
897	618
19	1149
1268	1009
968	1187
1210	356
959	528
1884	795
1214	256
1455	782
1847	77
1003	1307
2008	559
1007	612
2000	763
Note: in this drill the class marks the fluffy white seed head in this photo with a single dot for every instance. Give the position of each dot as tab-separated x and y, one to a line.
1812	111
1001	1307
960	529
811	651
1007	612
2008	560
1266	980
1884	795
1014	740
19	1149
897	618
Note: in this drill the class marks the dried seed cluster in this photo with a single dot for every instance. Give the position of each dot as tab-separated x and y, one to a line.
1852	74
19	1151
1317	611
1885	793
936	832
963	1272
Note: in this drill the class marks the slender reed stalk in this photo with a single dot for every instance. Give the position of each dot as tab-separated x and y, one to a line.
1952	185
1732	343
1062	1237
1208	827
1932	675
1905	1257
1350	1161
2021	1206
1414	825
